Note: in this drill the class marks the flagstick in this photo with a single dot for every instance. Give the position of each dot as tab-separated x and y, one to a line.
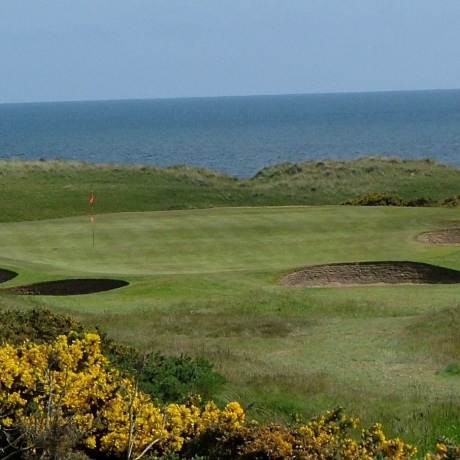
91	202
92	218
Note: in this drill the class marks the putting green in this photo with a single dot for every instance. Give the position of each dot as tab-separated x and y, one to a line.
220	240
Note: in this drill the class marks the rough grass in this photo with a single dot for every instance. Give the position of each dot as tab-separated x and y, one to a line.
204	281
50	189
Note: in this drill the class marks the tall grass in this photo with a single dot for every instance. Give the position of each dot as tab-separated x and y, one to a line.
50	189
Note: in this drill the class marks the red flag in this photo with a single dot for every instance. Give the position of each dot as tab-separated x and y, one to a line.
91	199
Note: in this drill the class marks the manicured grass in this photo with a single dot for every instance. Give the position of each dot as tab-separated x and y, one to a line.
204	282
226	240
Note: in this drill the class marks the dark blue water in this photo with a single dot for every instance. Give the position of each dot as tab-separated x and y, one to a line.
237	135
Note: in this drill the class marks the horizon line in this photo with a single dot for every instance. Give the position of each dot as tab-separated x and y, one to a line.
63	101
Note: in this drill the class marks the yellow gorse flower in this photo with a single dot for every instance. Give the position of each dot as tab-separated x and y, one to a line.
72	382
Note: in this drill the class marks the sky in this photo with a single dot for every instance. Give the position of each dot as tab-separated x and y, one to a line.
71	50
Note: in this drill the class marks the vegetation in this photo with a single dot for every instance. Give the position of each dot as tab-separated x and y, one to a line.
203	284
52	189
166	379
62	400
384	199
63	396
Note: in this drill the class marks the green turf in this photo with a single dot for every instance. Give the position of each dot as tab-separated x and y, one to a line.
226	239
204	281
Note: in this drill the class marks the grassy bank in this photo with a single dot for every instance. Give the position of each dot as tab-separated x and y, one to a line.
50	189
204	281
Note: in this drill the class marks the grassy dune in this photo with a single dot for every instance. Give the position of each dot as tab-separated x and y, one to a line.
51	189
204	281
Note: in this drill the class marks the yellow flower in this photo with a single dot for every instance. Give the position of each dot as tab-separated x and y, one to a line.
441	448
90	441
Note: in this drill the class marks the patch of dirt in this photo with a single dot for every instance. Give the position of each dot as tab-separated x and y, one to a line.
371	273
68	287
447	236
6	275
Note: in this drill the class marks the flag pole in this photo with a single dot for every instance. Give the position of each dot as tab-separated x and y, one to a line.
92	224
91	203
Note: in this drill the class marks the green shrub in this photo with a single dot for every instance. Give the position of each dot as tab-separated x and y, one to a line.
165	378
171	378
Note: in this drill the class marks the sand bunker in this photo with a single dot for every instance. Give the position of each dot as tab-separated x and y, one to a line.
67	287
371	273
447	236
6	275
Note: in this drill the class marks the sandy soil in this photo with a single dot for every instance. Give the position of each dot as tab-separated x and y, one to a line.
370	273
447	237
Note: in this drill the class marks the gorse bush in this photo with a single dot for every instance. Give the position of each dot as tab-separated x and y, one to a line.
376	199
421	202
384	199
446	449
38	325
451	202
165	378
64	396
325	437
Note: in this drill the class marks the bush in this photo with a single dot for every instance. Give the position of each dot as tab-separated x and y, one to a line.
165	378
323	438
383	199
172	378
451	202
63	399
38	325
376	199
446	449
421	202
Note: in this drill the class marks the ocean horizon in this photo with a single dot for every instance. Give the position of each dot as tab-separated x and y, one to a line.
237	135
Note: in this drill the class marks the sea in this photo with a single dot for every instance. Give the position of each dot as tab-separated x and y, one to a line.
237	135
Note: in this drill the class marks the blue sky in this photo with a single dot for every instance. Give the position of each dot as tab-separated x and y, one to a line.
55	50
